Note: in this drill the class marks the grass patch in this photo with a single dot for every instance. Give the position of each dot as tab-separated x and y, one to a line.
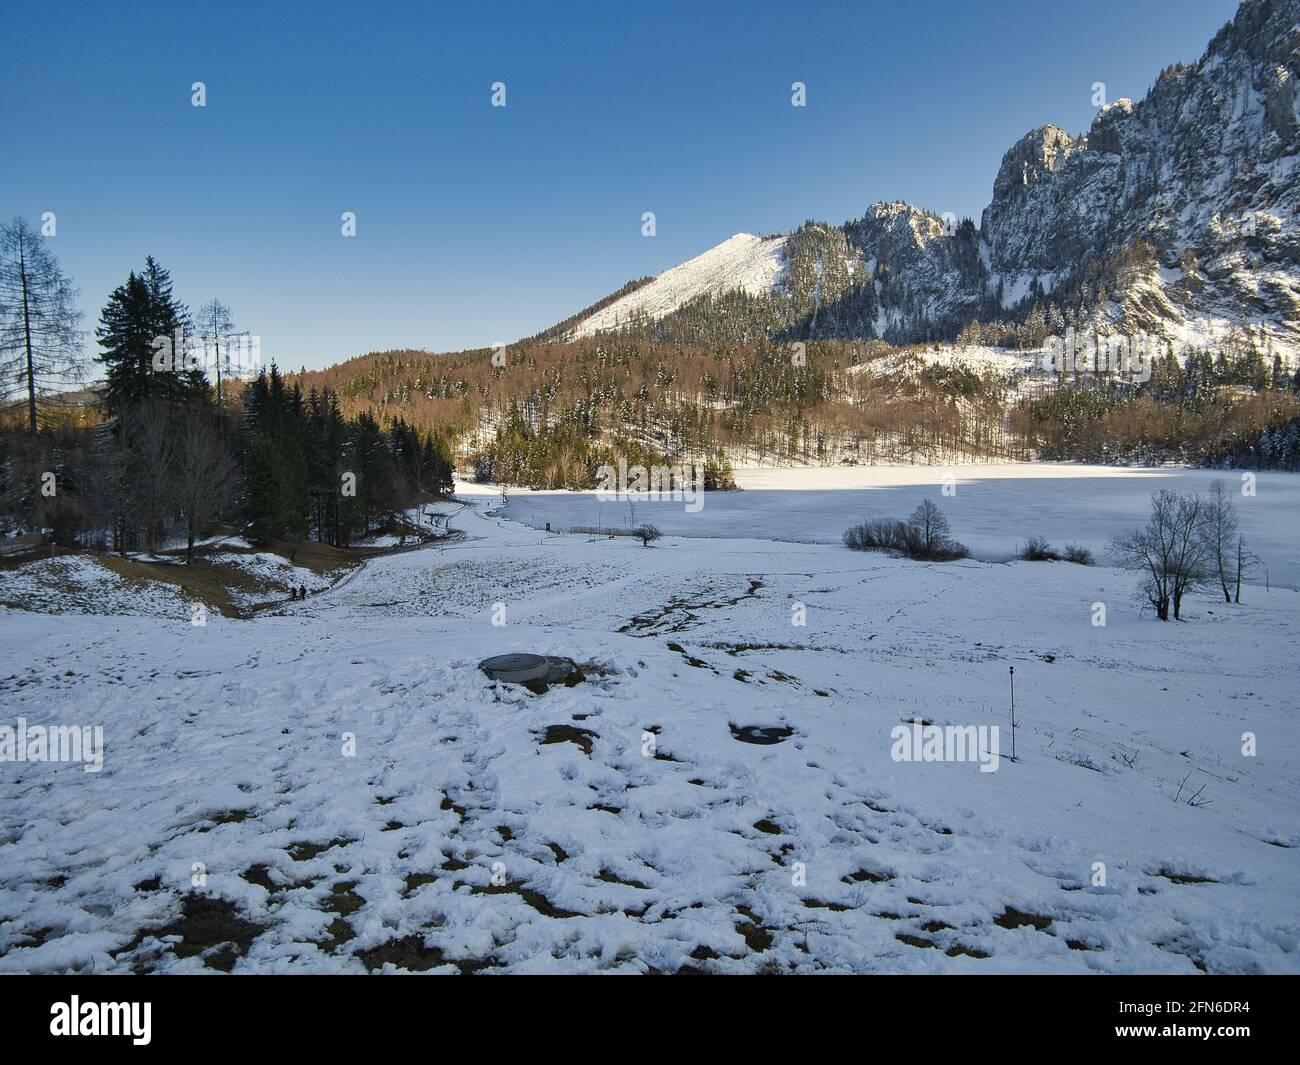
1013	918
569	734
211	928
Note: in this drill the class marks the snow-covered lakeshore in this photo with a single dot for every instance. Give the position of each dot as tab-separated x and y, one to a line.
992	508
477	828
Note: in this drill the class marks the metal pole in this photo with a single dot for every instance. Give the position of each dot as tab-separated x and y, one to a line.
1013	712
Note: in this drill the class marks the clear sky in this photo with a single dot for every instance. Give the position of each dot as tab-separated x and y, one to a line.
478	224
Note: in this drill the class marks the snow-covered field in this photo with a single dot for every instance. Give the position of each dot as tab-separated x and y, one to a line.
992	508
335	787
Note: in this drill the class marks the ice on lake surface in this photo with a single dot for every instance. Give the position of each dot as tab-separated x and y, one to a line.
992	508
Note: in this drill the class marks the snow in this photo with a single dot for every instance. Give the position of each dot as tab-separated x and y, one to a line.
1015	292
992	508
983	358
225	747
744	261
275	576
81	584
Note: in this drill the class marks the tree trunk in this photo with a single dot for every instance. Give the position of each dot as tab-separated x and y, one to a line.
1162	608
27	334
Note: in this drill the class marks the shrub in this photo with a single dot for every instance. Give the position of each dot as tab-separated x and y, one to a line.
1078	554
646	534
923	536
1037	549
944	551
879	534
599	530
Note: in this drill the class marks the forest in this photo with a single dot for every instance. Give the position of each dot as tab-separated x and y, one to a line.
547	415
157	448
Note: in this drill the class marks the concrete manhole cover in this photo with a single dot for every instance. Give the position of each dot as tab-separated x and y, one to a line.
523	668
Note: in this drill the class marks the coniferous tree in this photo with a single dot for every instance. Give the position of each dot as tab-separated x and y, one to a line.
142	330
40	344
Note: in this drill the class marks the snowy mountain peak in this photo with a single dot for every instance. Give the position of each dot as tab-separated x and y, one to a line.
742	261
1174	215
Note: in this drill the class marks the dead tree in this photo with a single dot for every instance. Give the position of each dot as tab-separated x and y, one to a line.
1219	531
207	477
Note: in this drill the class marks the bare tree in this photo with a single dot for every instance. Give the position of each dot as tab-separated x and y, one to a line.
1170	551
148	434
215	323
40	344
207	478
931	527
1219	531
646	533
1245	562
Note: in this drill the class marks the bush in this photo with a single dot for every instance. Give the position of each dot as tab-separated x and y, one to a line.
646	534
1077	554
1037	549
922	537
944	551
598	530
880	534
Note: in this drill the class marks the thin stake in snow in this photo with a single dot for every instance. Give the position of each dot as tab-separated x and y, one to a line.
1013	712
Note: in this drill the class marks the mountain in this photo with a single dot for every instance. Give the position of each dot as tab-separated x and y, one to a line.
1175	216
745	262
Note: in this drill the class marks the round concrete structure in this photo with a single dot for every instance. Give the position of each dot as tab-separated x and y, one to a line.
523	668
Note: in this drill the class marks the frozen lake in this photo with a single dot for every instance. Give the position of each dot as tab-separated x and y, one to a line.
991	508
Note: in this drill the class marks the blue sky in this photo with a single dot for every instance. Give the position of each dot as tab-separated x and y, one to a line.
478	224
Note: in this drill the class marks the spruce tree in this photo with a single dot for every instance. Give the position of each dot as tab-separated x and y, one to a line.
141	320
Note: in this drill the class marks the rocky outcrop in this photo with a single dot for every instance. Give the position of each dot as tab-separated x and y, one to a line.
1176	215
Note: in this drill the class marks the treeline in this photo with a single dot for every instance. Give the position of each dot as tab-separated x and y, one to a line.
1233	407
763	402
308	471
564	456
168	455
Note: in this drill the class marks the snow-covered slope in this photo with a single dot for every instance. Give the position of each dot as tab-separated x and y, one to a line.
744	261
338	788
